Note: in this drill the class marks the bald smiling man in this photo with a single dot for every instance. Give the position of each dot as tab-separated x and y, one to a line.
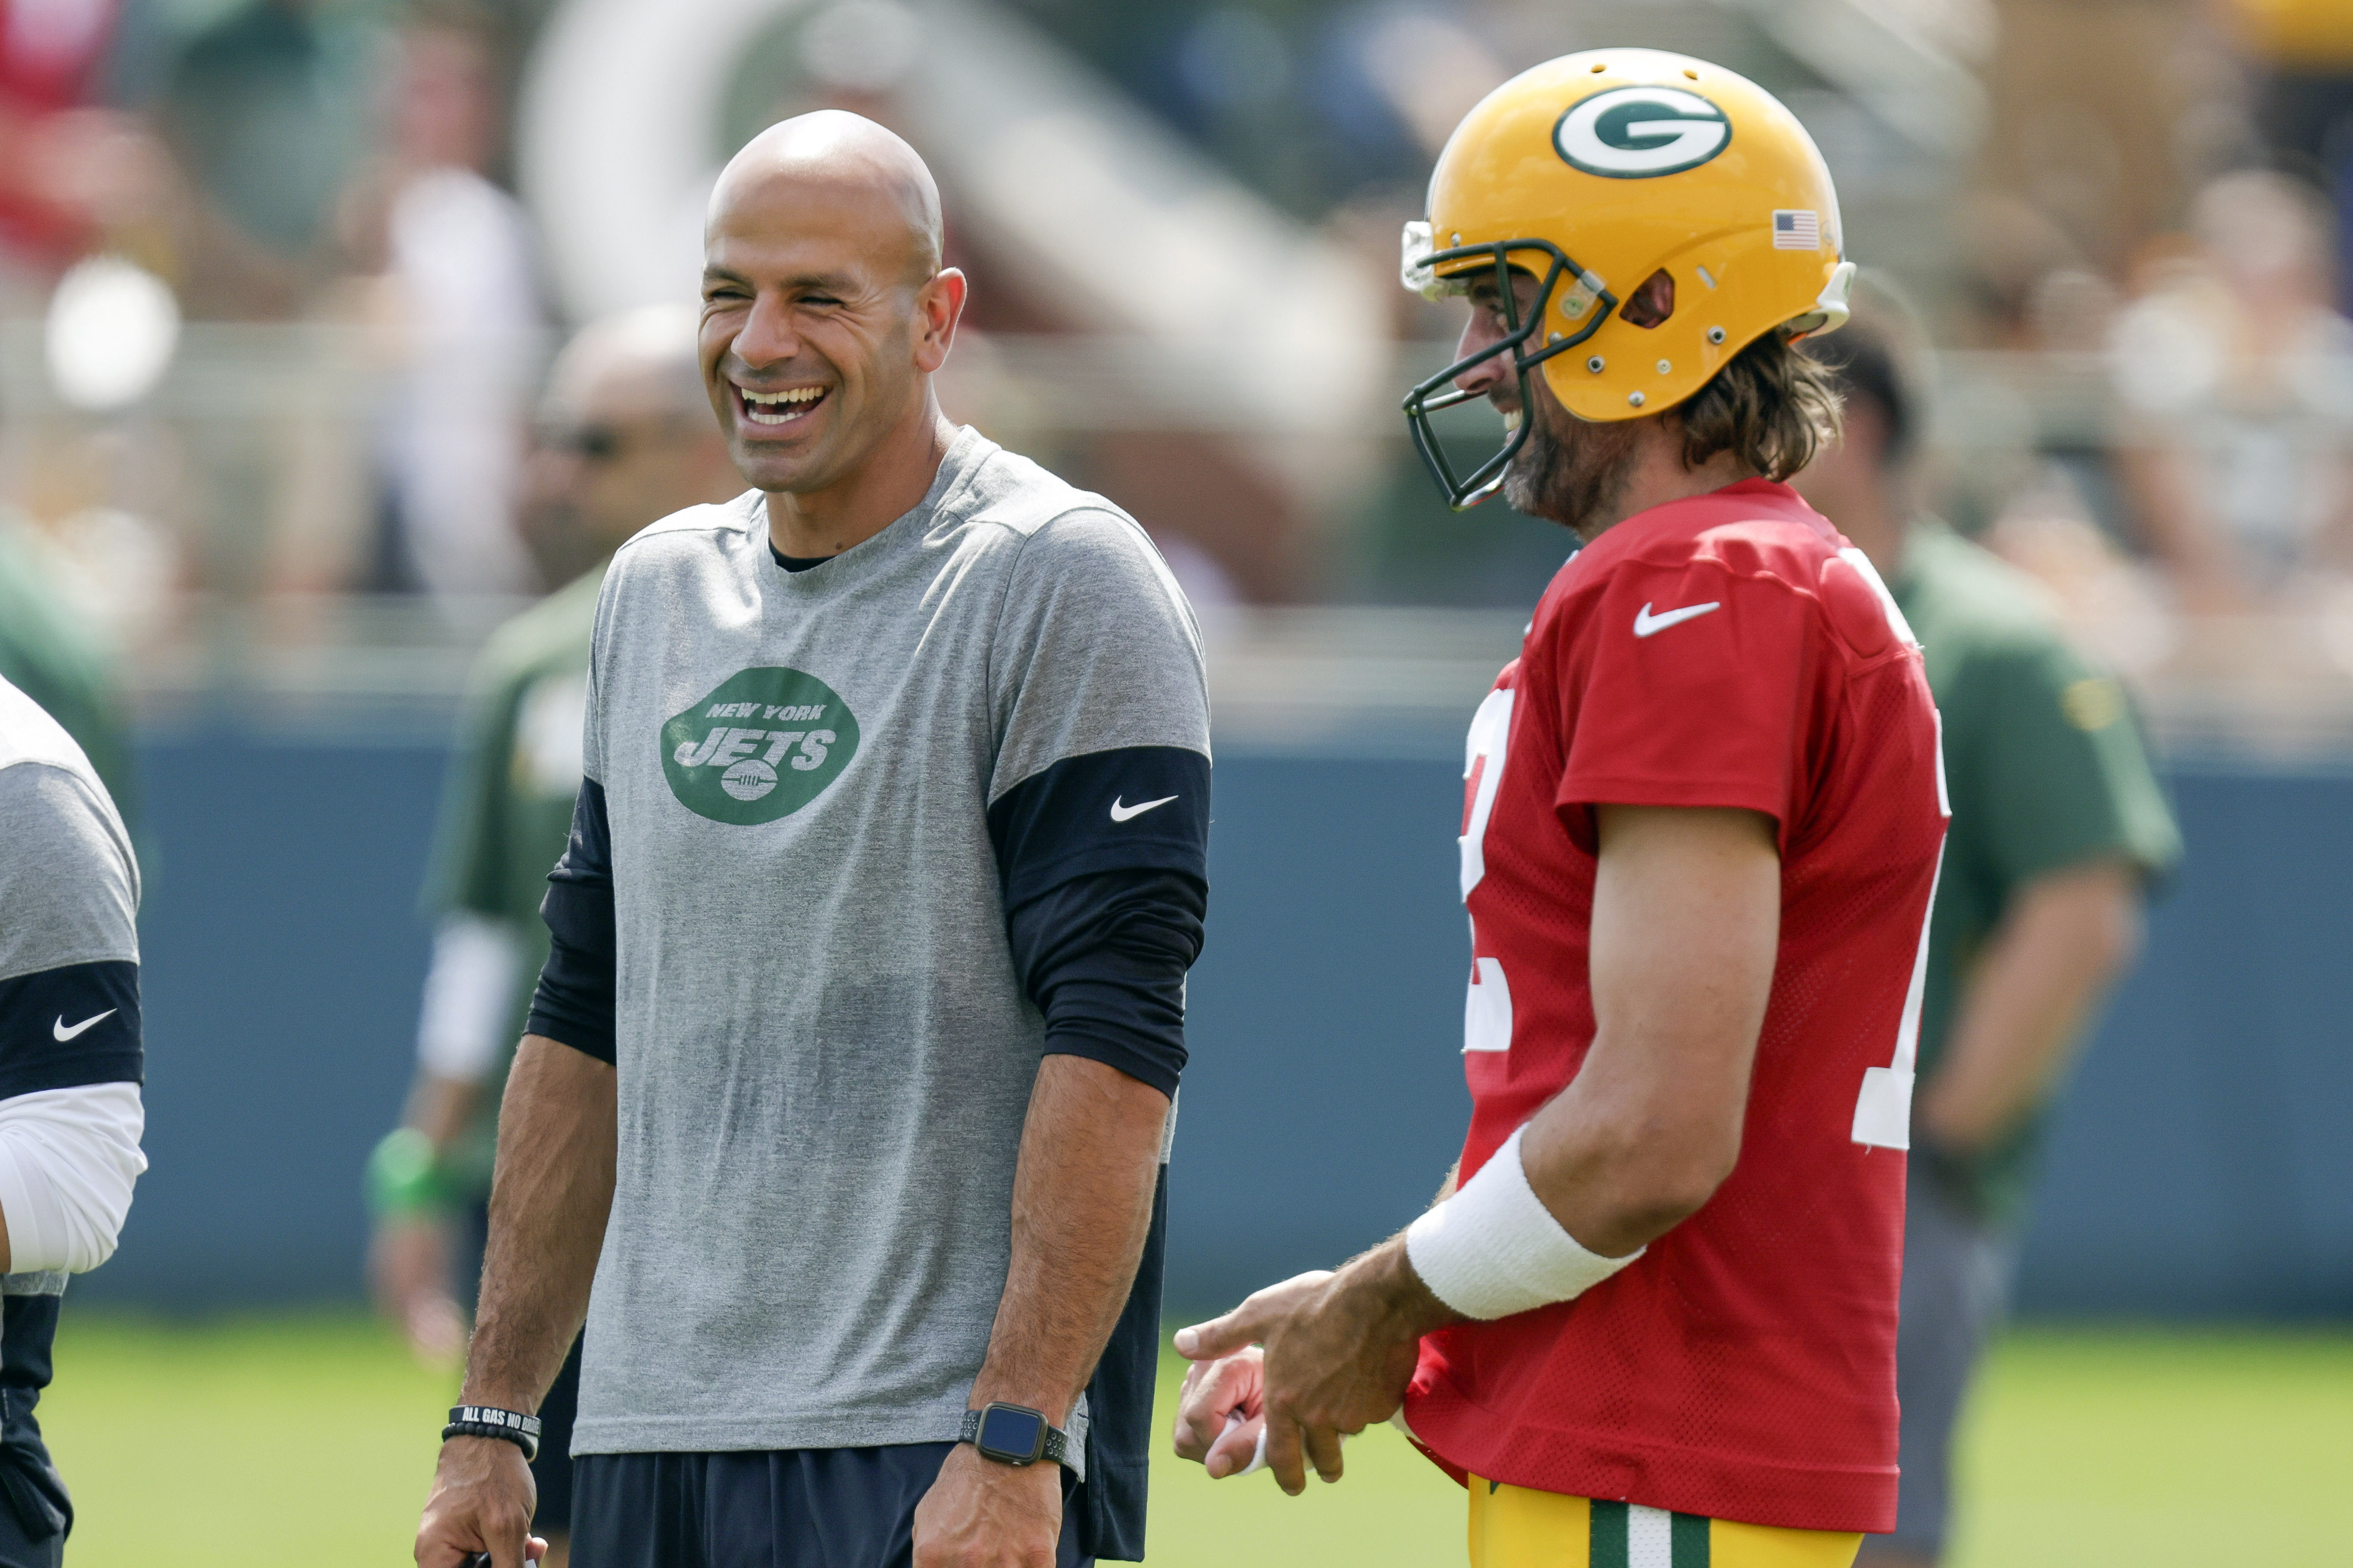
842	1110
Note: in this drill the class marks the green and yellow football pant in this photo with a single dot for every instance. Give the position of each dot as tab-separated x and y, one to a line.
1512	1526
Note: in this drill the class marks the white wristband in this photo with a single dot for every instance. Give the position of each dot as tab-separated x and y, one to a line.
1494	1249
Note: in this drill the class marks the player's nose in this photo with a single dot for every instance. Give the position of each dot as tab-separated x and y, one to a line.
1483	378
768	336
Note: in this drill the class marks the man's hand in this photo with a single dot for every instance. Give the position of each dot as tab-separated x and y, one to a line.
408	1268
982	1514
1221	1410
1340	1350
482	1500
548	1207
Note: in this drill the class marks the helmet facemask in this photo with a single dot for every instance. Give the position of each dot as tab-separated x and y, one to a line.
1587	302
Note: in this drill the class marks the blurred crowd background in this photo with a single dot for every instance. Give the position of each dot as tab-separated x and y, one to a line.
281	282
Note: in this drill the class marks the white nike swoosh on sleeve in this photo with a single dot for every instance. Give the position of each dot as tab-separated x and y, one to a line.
1647	625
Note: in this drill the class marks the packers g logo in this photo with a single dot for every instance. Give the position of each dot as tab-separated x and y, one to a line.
1636	132
761	745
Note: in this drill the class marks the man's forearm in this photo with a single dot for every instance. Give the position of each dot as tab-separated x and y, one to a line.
549	1200
2065	940
441	1107
1081	1207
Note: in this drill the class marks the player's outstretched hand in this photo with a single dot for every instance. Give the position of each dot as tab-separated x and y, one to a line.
1220	1411
982	1514
409	1270
1339	1351
481	1505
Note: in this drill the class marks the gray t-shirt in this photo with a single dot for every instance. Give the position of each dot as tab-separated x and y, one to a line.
69	882
824	1054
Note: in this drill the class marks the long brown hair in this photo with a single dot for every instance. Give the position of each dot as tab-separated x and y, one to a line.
1772	405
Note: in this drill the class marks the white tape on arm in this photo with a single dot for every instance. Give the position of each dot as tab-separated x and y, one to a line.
1258	1458
1494	1249
468	995
1258	1461
69	1158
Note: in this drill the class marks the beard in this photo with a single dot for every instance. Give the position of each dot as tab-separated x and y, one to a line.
1569	471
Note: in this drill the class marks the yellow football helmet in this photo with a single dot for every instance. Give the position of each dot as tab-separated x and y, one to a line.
1591	172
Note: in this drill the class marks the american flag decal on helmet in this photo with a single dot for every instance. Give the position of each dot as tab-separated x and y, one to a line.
1797	230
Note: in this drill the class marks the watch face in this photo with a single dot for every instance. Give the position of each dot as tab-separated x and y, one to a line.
1011	1433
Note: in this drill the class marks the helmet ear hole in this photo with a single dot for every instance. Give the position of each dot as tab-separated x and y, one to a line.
1653	302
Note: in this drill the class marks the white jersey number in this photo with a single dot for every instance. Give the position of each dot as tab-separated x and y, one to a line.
1882	1111
1487	1004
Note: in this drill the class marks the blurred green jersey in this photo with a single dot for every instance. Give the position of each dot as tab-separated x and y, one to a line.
506	811
2047	770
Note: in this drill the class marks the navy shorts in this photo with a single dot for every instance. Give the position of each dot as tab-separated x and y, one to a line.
806	1508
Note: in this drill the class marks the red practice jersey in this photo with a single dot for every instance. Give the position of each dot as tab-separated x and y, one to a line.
1728	650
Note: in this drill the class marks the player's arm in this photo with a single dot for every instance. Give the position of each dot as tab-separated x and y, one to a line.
1082	1205
550	1196
1686	924
1105	959
462	1027
70	1048
1098	809
2065	940
469	988
1103	956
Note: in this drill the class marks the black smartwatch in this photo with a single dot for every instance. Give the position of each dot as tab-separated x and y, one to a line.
1014	1435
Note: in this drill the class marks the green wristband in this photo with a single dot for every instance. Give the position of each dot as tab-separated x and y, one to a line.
402	1180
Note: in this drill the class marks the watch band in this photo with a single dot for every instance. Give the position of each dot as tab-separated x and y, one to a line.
1058	1442
488	1421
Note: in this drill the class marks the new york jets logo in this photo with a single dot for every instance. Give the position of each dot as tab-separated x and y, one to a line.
763	744
1636	132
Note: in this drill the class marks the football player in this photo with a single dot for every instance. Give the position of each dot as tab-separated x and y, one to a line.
72	1058
1654	1320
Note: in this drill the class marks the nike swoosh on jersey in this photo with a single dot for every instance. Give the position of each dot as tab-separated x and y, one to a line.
60	1030
1121	813
1647	625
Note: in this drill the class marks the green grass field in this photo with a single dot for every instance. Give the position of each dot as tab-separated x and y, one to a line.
309	1439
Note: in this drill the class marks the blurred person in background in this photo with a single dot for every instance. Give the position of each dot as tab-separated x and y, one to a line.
2058	829
2236	375
459	299
626	436
71	1062
267	112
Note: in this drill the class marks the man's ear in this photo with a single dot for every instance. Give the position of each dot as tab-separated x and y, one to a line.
939	305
